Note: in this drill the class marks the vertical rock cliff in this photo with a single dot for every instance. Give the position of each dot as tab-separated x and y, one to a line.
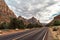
5	12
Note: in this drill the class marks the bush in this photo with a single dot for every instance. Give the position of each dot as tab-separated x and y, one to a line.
56	23
33	25
4	25
15	23
29	26
37	25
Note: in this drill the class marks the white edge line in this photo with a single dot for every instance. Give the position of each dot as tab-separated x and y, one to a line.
44	36
24	35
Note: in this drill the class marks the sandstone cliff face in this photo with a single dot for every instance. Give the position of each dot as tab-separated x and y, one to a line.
57	17
5	12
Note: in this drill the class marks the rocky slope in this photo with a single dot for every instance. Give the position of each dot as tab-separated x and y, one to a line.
27	21
5	12
57	18
24	20
33	20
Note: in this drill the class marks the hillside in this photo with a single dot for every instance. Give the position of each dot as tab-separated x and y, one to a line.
27	21
55	21
33	20
24	20
57	17
5	12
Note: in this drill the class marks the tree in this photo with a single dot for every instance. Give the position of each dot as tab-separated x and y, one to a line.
4	25
20	24
15	23
57	22
33	25
37	25
30	25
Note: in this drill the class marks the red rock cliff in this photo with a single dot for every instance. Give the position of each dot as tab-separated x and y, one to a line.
5	12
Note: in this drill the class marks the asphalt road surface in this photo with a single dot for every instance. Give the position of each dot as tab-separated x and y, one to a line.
33	34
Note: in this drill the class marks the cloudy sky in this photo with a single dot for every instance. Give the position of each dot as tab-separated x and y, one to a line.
43	10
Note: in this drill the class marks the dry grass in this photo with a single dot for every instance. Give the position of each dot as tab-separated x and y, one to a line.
53	33
59	31
56	34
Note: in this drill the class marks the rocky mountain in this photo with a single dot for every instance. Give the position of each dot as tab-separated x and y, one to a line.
24	20
57	18
5	12
33	20
21	18
27	21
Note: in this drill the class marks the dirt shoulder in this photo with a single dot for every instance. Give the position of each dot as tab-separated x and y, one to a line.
3	32
50	37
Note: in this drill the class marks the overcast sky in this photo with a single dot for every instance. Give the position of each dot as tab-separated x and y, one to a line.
43	10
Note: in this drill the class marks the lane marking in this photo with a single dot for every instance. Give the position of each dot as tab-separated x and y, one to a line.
40	35
25	35
44	36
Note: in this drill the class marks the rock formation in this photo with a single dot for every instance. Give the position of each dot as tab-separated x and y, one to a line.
33	20
27	21
5	12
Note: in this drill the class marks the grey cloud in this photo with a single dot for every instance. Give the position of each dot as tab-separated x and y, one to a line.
22	8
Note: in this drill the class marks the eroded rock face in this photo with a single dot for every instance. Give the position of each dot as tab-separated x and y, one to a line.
57	17
24	20
5	12
33	20
28	21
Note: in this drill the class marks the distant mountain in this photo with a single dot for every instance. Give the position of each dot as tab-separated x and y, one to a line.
21	18
5	12
33	20
27	21
24	20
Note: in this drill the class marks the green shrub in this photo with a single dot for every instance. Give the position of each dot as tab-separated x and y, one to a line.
56	23
15	23
33	25
4	25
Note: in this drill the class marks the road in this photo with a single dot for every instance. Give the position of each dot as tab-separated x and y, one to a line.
33	34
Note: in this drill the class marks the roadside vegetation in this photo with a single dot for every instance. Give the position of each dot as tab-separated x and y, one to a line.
33	25
56	29
16	23
56	23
